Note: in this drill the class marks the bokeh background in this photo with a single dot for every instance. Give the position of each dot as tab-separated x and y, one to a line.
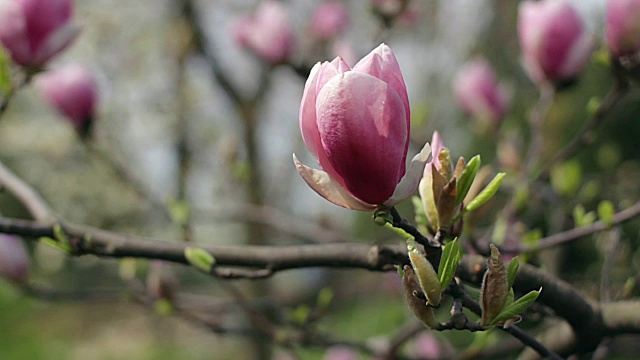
155	99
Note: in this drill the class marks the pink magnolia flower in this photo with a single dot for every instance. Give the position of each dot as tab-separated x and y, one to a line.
554	41
34	31
328	20
623	26
14	261
478	92
356	123
73	92
267	33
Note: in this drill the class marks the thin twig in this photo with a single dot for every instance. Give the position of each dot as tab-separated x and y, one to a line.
583	136
566	236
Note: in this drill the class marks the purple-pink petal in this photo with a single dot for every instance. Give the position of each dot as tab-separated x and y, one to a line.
362	125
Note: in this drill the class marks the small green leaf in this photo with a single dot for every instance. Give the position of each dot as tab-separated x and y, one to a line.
55	244
518	307
510	297
179	211
199	259
448	263
467	177
566	178
606	212
59	235
324	298
300	314
5	73
581	217
486	193
593	105
400	271
512	270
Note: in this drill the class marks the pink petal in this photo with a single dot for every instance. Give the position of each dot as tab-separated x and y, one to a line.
362	125
308	119
329	189
382	63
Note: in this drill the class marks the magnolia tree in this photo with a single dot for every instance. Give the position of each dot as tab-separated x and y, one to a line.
524	248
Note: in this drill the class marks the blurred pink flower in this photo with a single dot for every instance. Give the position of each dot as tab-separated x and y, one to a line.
267	33
356	123
73	92
328	20
554	41
427	346
14	261
338	352
623	26
478	92
34	31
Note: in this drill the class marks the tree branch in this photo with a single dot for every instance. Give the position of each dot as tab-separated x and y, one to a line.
35	204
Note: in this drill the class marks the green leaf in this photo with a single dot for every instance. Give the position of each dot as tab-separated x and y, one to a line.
467	177
593	105
606	212
510	297
518	307
199	259
512	270
566	178
5	73
55	244
581	217
448	263
179	211
486	193
324	298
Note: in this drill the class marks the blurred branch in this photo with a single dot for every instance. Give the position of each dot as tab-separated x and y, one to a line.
200	44
566	236
583	137
272	218
28	197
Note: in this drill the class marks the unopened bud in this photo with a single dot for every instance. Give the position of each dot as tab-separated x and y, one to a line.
495	287
417	305
427	277
14	261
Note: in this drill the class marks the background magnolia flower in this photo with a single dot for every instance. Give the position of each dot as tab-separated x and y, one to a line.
329	19
356	123
34	31
478	92
73	92
267	33
554	41
14	261
623	26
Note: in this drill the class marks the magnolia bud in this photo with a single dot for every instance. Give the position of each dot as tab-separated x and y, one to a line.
328	20
417	305
72	90
427	277
267	33
495	287
14	261
34	31
554	41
